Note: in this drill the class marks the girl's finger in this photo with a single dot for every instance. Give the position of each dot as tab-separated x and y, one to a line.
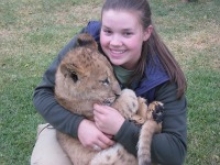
98	108
106	141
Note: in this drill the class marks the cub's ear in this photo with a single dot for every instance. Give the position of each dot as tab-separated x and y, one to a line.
86	40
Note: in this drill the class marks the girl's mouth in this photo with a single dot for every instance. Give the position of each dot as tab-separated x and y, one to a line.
116	53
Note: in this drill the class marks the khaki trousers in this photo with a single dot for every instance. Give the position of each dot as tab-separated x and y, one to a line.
47	150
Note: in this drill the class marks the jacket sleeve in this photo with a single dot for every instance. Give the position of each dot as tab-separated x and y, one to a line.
46	104
44	99
168	147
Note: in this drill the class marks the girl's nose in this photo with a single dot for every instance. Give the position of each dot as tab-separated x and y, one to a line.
115	41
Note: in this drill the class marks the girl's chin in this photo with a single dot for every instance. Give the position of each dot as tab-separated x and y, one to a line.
116	62
115	56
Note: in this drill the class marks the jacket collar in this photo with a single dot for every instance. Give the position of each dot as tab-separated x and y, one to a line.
154	75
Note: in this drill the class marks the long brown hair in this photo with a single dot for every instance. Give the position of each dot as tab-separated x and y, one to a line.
153	46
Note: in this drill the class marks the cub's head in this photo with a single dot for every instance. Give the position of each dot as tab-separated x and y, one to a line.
85	74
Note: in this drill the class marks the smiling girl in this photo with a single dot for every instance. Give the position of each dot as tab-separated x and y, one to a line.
141	62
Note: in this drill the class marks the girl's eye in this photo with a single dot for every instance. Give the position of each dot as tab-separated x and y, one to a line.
127	34
108	32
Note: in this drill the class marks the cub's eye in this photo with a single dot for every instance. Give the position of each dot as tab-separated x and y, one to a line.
74	77
105	82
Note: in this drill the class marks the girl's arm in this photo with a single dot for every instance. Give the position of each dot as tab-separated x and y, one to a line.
168	147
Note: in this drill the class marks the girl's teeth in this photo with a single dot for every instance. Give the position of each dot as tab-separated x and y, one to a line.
118	52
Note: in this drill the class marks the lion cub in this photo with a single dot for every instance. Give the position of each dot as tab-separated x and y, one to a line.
85	77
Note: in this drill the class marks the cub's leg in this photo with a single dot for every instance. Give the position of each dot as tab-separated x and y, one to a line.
150	127
80	155
77	153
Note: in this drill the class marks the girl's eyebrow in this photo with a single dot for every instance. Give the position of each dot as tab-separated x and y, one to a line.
125	29
105	26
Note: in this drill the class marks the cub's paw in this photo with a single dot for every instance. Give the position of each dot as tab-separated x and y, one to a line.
126	103
129	101
157	109
140	116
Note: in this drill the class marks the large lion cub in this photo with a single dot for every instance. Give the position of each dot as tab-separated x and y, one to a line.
85	77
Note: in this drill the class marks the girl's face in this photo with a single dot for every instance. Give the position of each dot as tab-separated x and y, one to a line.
122	36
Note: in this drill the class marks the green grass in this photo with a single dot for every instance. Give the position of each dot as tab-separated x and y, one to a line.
33	32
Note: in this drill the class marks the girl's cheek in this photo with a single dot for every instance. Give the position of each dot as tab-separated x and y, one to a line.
103	41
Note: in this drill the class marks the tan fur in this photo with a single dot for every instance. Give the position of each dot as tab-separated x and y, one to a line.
85	77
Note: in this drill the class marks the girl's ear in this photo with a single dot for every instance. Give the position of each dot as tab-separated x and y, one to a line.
147	32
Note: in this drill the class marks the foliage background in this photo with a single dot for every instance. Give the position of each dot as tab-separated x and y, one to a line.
33	32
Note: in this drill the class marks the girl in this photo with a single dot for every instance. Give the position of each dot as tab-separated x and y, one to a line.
142	62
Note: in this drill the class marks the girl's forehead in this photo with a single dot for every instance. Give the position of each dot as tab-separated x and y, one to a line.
131	13
122	17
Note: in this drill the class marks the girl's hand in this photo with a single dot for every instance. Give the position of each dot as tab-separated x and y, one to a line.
107	119
90	136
